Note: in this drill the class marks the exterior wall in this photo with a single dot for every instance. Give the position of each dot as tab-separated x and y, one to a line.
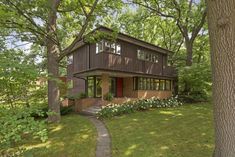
128	88
78	84
85	58
141	94
158	94
85	103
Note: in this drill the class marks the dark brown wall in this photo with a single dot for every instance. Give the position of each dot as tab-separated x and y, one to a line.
127	61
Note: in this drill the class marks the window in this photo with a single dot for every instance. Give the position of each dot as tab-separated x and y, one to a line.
98	91
108	46
112	86
169	60
162	85
70	59
141	83
90	87
168	85
147	56
99	46
140	55
118	49
156	84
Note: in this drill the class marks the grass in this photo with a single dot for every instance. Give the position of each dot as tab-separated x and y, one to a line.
75	136
170	132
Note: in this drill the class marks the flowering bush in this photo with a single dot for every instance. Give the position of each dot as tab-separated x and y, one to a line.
139	105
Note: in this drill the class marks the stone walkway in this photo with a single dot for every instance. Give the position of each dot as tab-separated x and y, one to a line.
103	147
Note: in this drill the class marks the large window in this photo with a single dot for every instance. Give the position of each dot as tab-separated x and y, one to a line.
107	46
98	91
112	86
90	86
147	56
142	83
94	86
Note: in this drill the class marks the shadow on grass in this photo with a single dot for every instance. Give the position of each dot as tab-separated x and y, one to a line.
176	132
74	136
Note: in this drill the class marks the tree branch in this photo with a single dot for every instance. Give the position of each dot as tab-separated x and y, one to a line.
83	9
80	34
200	25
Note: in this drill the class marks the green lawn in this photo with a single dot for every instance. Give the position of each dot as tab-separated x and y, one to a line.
186	131
75	136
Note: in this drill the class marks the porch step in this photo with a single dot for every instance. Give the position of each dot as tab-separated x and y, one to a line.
91	110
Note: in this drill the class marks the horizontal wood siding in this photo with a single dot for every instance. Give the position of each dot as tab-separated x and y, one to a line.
127	61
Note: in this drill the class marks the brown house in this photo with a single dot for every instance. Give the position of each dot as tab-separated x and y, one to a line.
127	68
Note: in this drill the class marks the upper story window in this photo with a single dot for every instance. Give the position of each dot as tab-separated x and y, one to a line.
70	59
108	46
147	56
169	60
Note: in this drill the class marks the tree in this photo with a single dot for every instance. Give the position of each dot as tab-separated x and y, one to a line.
189	16
58	25
222	40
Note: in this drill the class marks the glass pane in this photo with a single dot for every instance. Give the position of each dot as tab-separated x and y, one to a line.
107	46
90	86
112	86
140	54
152	84
156	61
144	83
118	49
148	84
168	85
98	87
112	47
156	84
162	84
148	57
140	80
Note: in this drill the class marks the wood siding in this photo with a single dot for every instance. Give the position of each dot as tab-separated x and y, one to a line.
127	61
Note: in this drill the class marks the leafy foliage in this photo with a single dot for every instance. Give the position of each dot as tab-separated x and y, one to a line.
139	105
18	79
198	77
108	97
18	124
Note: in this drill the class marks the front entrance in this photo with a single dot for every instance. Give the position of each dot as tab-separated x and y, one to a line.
94	89
119	87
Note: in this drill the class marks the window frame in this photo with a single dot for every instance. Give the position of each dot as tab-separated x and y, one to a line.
109	47
148	56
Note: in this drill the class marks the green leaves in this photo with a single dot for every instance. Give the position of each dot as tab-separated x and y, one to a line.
17	125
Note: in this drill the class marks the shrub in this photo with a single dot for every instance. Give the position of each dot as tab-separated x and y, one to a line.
80	95
66	110
108	97
17	124
139	105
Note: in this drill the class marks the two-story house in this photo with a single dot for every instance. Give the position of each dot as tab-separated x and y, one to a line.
128	67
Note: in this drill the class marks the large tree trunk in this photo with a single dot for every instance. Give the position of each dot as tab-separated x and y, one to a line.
53	64
189	50
189	62
222	40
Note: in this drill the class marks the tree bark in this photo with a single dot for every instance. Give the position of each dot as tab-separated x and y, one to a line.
189	50
53	65
222	40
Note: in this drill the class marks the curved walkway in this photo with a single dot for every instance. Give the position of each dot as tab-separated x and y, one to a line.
103	147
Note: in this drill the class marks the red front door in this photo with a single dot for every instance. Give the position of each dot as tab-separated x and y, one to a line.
119	87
